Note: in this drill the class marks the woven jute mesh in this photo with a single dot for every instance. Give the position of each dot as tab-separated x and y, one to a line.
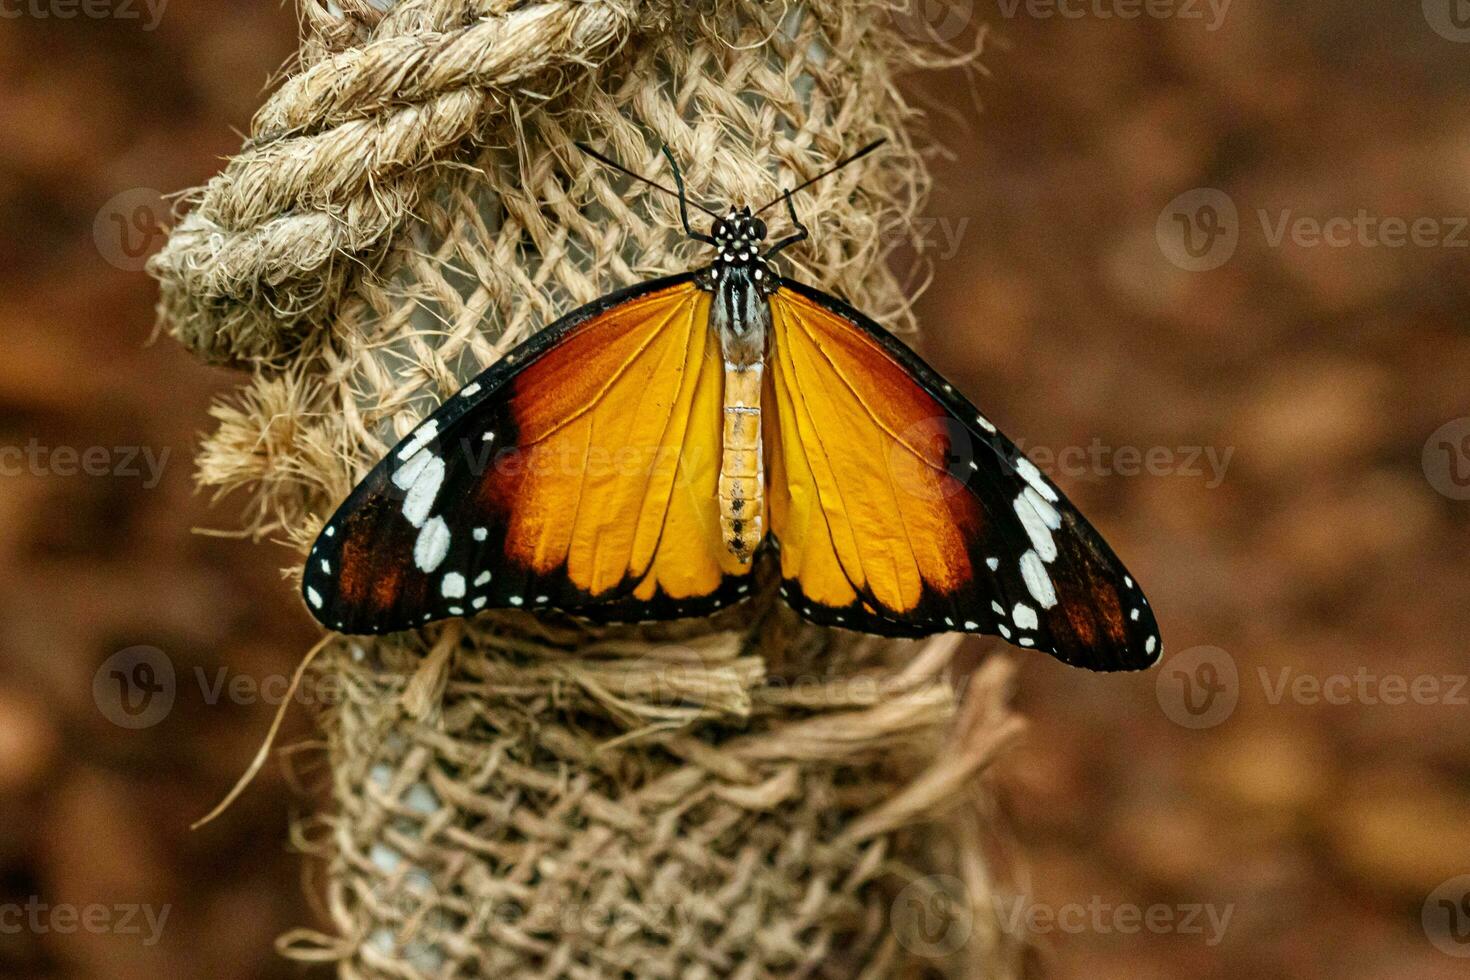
514	796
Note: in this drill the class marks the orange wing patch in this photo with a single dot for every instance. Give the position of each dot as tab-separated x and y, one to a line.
614	472
863	501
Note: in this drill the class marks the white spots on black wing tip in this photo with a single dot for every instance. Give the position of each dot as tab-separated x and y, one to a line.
1028	472
984	423
1026	641
999	609
482	578
456	610
488	437
421	476
516	600
470	390
314	597
428	616
329	531
1038	582
1003	630
326	567
543	599
419	438
480	533
742	590
970	624
948	622
1128	580
974	466
1024	616
949	389
1035	525
1151	644
432	544
452	586
479	602
1133	615
992	563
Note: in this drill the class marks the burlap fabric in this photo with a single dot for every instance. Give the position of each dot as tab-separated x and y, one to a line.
515	797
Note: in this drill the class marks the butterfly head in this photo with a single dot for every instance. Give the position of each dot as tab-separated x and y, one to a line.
738	231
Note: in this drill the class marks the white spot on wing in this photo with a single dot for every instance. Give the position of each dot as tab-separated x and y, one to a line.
428	478
1038	583
431	545
480	533
419	439
1150	644
453	586
1024	616
1032	475
482	578
470	390
985	424
992	563
314	597
1036	528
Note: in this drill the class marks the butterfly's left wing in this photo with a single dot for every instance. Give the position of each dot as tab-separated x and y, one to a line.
899	509
578	473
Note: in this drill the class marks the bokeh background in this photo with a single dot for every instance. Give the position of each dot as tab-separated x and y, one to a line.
1209	263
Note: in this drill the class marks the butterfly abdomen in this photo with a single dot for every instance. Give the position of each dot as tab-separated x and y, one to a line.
742	476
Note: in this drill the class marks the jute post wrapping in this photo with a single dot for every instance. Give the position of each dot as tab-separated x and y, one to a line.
513	796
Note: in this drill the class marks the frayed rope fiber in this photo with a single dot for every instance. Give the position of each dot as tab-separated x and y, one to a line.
521	797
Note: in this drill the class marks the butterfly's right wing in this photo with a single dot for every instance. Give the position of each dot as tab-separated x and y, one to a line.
577	473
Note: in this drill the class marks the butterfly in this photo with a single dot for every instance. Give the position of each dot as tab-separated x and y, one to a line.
637	460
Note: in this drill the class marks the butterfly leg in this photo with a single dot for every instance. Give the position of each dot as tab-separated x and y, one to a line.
802	234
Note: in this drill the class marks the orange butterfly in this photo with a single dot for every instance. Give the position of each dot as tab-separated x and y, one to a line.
636	459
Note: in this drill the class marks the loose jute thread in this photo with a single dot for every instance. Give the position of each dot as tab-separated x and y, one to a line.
512	796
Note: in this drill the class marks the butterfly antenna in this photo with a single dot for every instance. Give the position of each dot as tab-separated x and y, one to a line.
683	198
824	174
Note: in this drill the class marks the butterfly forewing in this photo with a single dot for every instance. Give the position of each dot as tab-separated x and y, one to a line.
898	509
578	473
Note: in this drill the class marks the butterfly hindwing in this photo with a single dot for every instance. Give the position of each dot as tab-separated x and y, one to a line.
579	473
899	509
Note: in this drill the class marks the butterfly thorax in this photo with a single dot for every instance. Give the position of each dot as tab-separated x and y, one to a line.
740	283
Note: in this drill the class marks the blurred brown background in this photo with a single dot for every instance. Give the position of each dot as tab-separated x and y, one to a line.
1208	263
